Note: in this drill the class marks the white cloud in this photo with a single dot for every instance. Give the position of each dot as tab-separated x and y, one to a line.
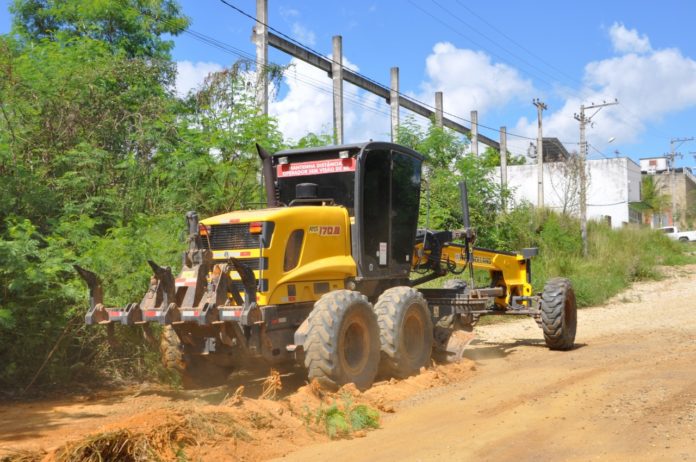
308	106
190	75
304	35
288	13
627	40
649	86
471	81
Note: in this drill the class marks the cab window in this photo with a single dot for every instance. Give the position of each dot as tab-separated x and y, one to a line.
293	250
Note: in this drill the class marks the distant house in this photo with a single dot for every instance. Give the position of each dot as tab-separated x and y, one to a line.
679	182
613	190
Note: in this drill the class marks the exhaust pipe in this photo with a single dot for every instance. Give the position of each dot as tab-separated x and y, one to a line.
267	176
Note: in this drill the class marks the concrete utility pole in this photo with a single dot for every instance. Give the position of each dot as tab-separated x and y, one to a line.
261	39
474	133
672	156
321	62
337	77
541	106
439	111
584	120
503	165
394	103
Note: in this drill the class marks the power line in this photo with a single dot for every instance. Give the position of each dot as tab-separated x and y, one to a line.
597	150
401	94
458	32
514	42
373	81
584	91
302	78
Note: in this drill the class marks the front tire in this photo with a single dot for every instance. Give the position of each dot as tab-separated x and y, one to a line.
342	343
406	331
559	314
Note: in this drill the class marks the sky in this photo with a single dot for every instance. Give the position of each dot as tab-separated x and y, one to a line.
492	57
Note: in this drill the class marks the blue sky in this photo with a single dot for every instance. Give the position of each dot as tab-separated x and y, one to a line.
490	56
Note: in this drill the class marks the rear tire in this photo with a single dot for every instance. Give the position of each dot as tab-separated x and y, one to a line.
342	343
559	314
406	331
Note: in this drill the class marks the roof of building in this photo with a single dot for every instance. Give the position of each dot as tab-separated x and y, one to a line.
554	151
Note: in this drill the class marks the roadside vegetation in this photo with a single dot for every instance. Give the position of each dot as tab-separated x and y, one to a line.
100	159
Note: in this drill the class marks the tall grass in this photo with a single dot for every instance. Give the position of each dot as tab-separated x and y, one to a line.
616	257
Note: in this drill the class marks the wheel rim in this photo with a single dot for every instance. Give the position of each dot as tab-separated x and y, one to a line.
354	345
413	333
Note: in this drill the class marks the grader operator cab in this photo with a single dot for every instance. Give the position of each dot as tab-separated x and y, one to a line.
323	277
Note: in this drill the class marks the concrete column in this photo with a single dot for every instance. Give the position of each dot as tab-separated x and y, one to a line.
503	164
394	103
261	39
439	112
474	133
337	76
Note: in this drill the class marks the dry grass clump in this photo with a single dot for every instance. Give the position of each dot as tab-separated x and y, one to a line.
23	456
161	436
272	385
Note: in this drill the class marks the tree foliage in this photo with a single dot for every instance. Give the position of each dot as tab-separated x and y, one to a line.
98	159
134	27
491	158
446	164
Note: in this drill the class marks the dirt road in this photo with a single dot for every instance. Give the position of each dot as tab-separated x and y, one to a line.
627	392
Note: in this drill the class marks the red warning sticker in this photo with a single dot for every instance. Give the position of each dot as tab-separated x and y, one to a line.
316	167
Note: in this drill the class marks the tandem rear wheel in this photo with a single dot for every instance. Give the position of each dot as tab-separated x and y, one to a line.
405	331
342	344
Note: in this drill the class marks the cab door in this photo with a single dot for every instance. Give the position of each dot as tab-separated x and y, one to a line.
390	201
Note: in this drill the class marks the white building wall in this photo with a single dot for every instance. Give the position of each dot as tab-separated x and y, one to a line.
612	184
653	164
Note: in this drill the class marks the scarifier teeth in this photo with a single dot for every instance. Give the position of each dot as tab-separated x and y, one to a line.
155	267
88	276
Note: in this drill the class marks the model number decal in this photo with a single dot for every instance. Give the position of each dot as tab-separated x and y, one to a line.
483	260
325	230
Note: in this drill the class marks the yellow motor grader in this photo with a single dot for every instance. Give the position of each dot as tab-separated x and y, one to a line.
327	277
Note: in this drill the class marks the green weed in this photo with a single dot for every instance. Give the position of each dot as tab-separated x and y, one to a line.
341	419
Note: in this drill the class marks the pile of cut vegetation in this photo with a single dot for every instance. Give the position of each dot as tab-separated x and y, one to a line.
239	428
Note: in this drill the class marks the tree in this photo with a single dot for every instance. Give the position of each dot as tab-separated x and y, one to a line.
79	124
135	27
445	166
491	158
85	106
213	165
565	183
653	197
